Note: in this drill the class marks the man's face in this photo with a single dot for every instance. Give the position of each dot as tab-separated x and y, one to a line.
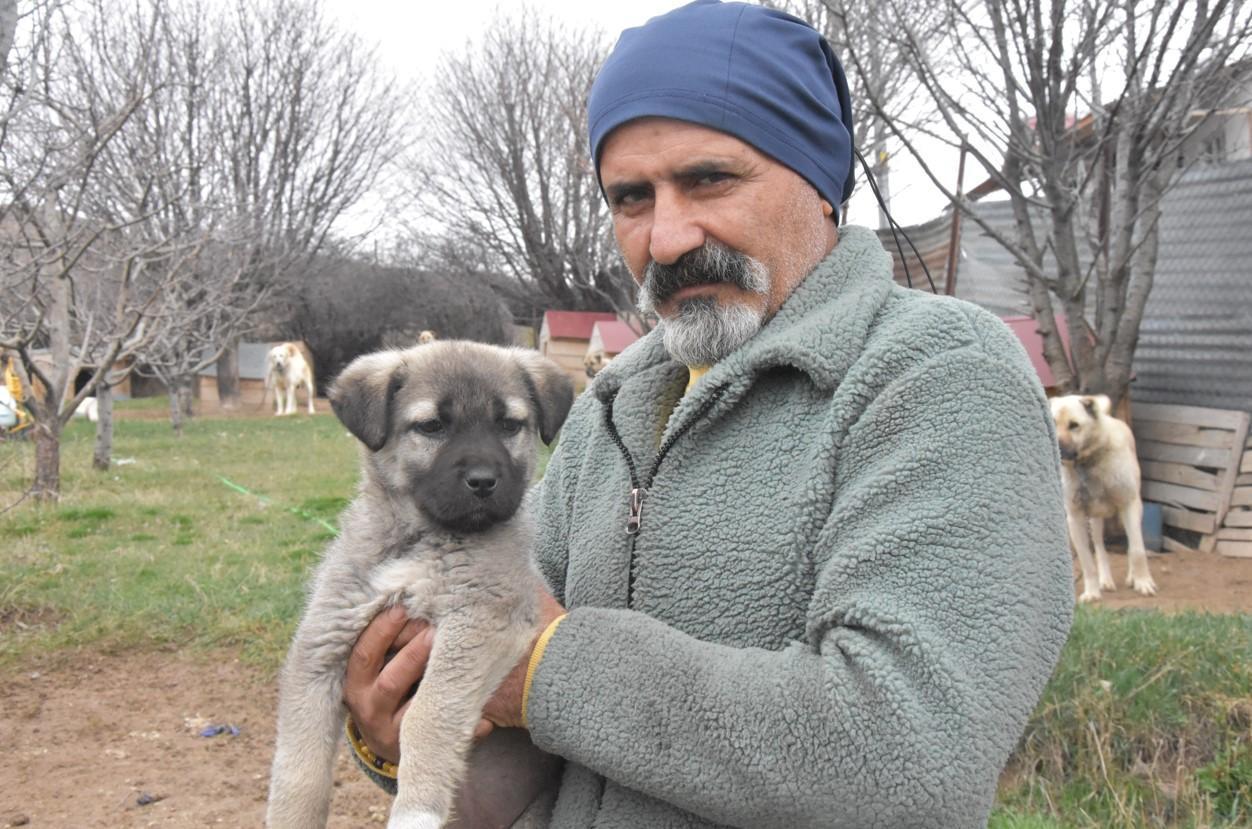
716	234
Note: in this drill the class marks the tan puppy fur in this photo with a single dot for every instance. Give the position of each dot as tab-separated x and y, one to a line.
286	370
449	431
1100	473
426	337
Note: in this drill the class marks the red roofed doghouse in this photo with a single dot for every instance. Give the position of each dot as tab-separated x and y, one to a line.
564	336
1027	330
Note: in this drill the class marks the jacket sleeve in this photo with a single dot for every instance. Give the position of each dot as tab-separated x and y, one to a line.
942	596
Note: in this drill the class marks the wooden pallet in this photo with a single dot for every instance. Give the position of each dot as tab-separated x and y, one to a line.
1234	538
1190	458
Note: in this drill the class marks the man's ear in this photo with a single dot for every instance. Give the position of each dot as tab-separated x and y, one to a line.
362	394
551	390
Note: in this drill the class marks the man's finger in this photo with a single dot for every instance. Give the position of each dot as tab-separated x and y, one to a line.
370	650
409	632
404	670
484	727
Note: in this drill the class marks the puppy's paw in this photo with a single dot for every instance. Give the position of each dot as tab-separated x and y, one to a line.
1089	596
414	820
1107	583
1143	585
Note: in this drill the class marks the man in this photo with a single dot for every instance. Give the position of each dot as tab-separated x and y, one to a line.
805	541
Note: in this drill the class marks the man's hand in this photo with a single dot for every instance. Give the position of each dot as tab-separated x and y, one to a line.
387	661
390	658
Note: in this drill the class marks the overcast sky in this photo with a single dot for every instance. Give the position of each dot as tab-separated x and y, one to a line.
411	36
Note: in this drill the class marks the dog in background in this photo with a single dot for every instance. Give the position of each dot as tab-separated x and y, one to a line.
1100	474
426	337
449	431
88	408
286	370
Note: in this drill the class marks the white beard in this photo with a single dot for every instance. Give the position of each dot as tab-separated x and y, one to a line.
704	331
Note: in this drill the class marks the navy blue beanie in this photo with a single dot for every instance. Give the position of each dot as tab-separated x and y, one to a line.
759	74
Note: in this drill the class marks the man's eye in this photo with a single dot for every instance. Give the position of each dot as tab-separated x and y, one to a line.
713	177
629	199
511	425
427	427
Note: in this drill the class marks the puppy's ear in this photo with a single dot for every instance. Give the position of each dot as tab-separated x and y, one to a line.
361	396
551	390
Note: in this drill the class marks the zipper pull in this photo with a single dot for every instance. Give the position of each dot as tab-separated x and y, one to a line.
636	510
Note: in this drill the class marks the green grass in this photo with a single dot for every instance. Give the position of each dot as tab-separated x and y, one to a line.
161	551
1147	721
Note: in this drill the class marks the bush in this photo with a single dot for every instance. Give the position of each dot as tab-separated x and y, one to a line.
346	308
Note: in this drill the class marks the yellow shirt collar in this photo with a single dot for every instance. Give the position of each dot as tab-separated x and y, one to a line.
694	373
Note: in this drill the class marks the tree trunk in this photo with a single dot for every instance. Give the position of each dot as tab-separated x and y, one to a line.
48	460
228	376
8	27
176	409
187	398
103	455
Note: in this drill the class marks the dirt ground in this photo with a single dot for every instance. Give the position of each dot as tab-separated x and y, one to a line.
87	736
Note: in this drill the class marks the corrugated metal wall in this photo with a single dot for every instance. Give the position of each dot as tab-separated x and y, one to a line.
1195	344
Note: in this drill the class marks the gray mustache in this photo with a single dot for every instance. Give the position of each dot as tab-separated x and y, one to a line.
712	263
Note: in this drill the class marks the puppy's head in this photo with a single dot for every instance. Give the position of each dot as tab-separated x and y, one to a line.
1079	423
453	424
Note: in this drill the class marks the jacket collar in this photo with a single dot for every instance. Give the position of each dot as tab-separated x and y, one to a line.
819	329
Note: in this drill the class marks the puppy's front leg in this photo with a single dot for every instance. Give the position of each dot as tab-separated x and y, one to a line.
311	714
464	670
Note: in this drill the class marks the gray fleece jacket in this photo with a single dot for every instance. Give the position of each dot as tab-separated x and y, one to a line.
850	580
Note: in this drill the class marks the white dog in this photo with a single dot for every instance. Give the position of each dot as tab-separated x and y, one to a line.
286	371
1100	474
88	408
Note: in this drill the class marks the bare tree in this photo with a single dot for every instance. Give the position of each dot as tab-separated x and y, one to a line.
858	26
507	170
96	229
1079	110
8	28
306	121
67	276
196	318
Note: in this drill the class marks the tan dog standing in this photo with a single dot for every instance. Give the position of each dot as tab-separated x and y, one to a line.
286	370
1100	473
449	431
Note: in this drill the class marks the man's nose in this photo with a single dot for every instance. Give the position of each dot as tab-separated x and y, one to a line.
674	229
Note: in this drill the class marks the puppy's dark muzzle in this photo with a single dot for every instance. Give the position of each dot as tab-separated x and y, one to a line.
1068	452
481	481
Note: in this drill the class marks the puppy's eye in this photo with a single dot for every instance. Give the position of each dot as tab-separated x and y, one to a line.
511	425
1073	425
427	427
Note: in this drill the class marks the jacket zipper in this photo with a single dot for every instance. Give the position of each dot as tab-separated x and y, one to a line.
639	489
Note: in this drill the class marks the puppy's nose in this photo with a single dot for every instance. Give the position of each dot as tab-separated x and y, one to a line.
481	481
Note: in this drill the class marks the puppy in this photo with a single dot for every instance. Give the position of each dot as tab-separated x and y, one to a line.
594	362
426	337
449	432
1100	474
286	371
